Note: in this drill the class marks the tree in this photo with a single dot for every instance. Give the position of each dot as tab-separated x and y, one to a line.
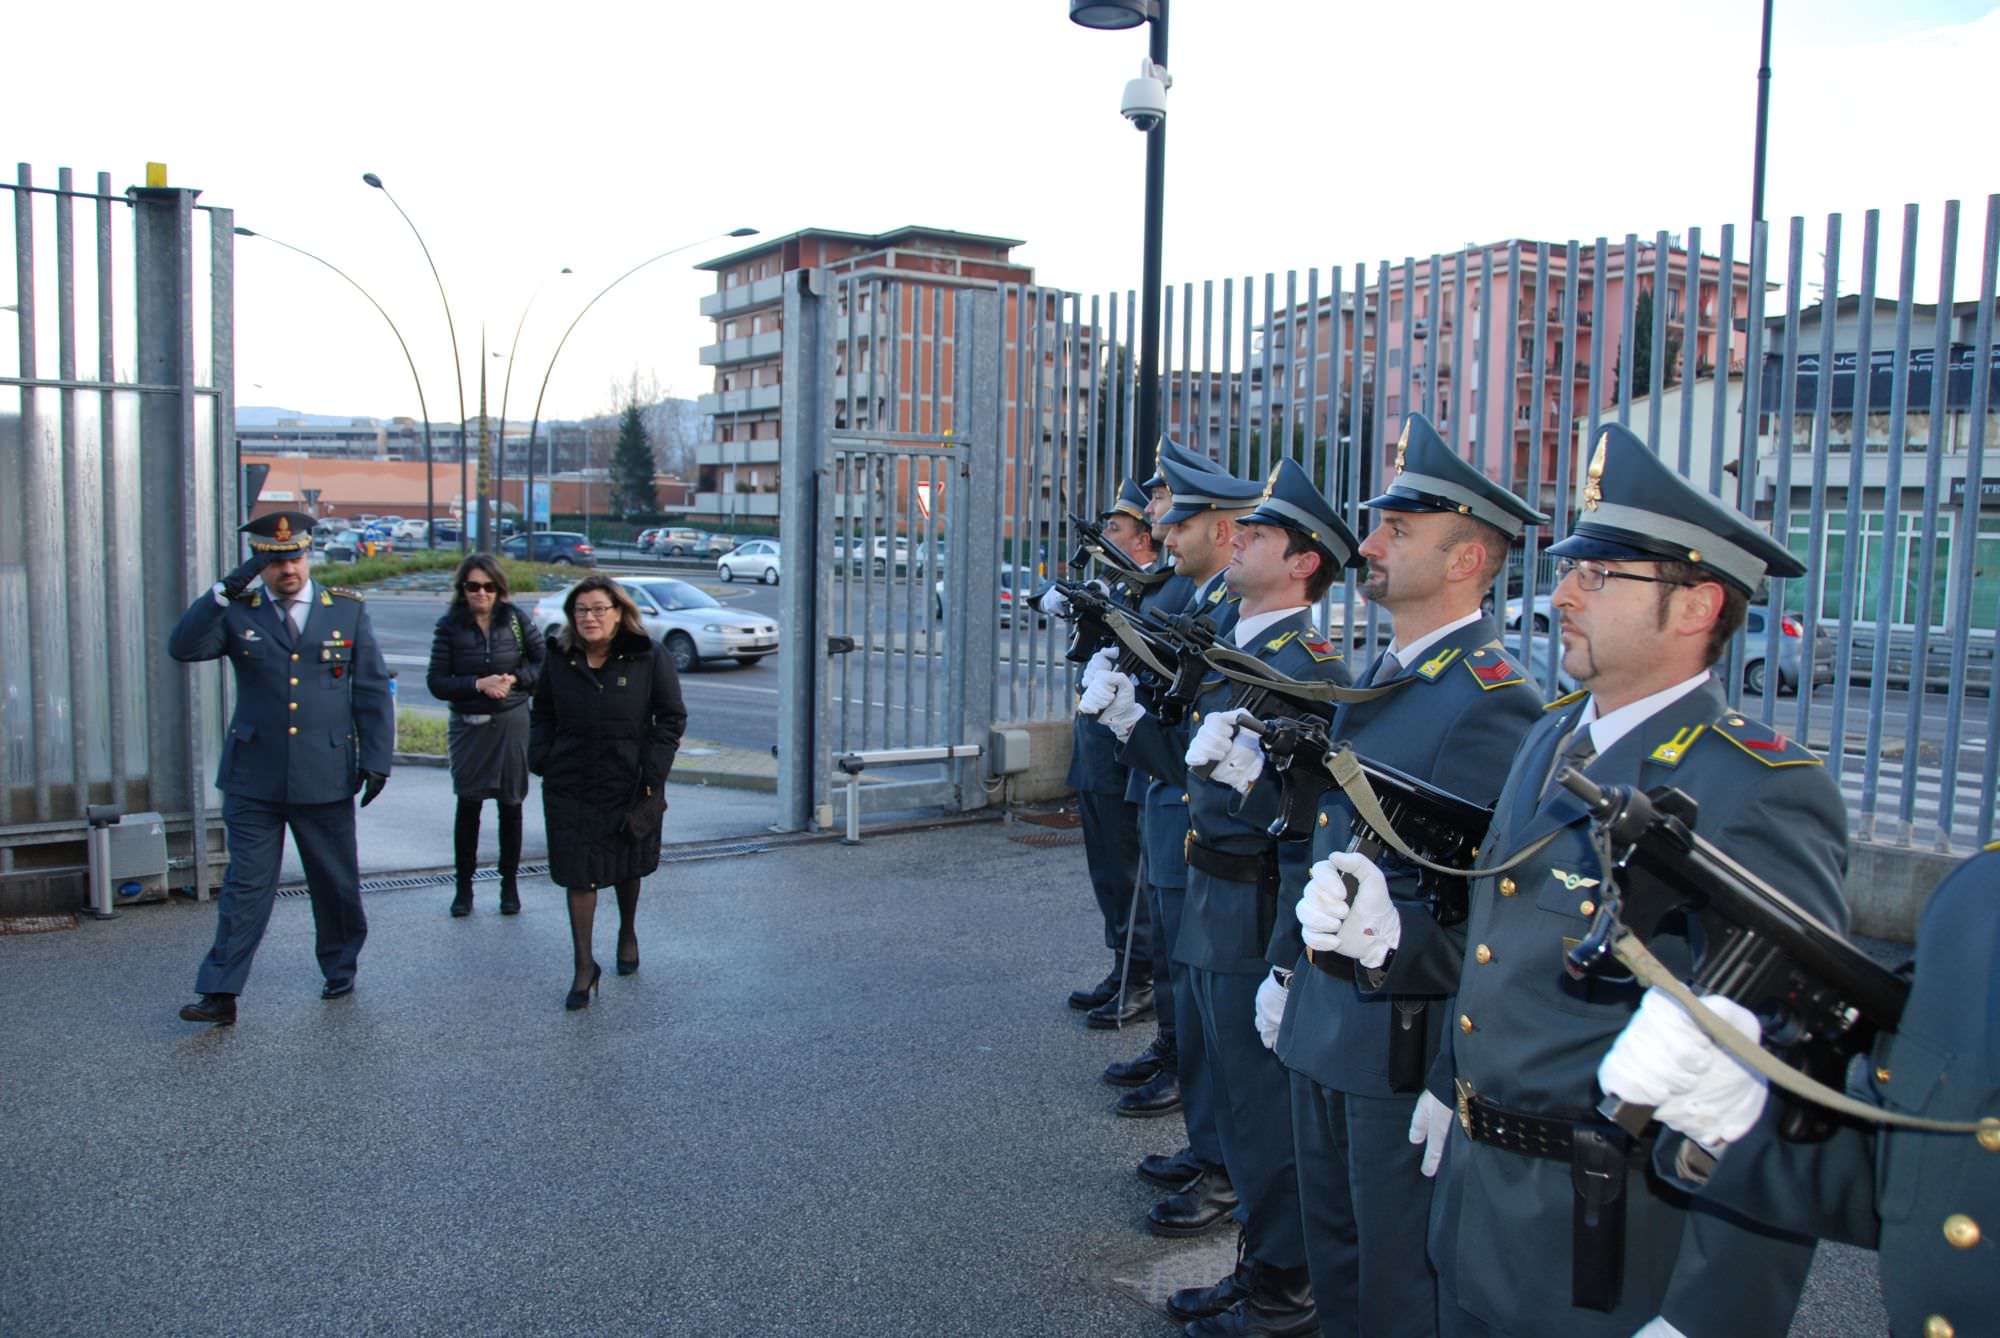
632	491
1642	353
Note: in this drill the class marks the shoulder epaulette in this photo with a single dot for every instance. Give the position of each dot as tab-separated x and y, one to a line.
345	593
1670	753
1438	663
1492	668
1567	699
1319	648
1991	845
1278	642
1761	742
256	599
1215	595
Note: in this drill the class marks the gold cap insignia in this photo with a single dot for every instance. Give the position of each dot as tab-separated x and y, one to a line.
283	534
1402	447
1593	486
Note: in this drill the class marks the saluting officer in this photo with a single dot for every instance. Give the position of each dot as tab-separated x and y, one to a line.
1456	708
1199	522
1286	553
313	725
1110	817
1545	1219
1926	1200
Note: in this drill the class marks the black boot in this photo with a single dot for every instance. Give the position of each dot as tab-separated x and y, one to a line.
1135	1072
510	858
1160	1096
1099	994
1279	1305
465	853
1136	1006
1193	1303
1172	1173
1202	1207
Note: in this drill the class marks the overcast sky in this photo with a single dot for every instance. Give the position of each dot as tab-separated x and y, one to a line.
523	138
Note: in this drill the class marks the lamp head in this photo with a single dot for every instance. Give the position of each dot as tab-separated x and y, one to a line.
243	232
372	180
1111	15
743	232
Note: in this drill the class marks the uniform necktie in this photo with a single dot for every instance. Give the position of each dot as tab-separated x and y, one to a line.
1580	750
1386	668
295	614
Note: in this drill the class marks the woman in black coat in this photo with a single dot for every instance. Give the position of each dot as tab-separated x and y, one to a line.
606	721
486	658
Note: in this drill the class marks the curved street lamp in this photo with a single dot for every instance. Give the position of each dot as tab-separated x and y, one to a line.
507	382
535	423
400	342
457	369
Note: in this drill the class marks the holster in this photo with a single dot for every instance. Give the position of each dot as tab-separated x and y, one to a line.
1597	1170
1258	869
1407	1035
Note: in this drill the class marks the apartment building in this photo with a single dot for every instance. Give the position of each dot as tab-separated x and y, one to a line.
558	446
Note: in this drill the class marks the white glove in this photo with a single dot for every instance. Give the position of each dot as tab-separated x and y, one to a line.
1054	603
1211	742
1098	664
1271	996
1662	1059
1659	1327
1366	928
1244	764
1430	1126
1111	699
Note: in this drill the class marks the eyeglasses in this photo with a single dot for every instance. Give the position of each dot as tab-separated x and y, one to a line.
593	610
1592	575
479	587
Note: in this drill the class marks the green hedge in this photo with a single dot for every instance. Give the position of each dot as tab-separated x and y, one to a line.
420	733
521	576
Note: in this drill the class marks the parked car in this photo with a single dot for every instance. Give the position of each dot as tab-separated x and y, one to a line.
693	625
643	540
414	532
715	545
1011	576
756	560
677	541
564	548
347	546
1791	645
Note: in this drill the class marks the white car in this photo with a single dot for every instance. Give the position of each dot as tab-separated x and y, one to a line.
410	531
691	624
756	560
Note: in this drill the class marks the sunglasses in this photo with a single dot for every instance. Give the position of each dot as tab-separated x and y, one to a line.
476	587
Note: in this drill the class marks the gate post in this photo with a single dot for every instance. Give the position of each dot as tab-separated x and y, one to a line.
801	769
975	557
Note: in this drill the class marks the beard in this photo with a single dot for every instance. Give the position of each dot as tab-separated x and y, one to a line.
1375	585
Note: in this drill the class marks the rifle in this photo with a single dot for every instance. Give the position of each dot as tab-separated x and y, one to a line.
1092	542
1820	1000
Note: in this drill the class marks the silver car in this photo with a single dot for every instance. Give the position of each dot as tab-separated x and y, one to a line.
693	625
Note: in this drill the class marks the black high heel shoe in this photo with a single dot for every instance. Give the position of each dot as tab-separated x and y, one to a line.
576	999
630	968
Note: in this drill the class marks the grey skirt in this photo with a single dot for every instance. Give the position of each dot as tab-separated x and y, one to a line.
489	755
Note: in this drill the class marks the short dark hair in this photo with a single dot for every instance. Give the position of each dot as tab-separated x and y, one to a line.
1473	530
483	564
1735	604
628	612
1321	580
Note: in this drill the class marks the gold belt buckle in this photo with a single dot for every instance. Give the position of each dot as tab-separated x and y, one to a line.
1465	1095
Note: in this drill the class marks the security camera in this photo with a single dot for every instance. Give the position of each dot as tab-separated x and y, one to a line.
1145	102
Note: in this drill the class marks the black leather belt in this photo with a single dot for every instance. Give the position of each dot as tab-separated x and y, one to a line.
1256	868
1600	1157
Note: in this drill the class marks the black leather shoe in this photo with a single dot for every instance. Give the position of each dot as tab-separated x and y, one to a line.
1135	1072
510	894
337	991
1096	995
1161	1096
1279	1305
1171	1173
1193	1303
217	1008
1202	1207
461	900
1136	1007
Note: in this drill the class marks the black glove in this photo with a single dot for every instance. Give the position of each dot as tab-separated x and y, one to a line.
371	785
642	819
239	580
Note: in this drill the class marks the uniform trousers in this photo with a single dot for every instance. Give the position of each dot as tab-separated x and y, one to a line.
1111	849
325	837
1253	1116
1366	1204
1174	1007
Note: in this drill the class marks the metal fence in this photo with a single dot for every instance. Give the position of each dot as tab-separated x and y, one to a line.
119	452
1881	658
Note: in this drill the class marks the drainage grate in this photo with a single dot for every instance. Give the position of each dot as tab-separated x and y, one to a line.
434	877
1047	840
1062	818
36	924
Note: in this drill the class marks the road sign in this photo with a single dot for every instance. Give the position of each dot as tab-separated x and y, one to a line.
927	494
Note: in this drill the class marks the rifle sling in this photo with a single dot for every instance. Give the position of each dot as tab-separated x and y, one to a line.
1345	768
1135	641
1253	672
1649	970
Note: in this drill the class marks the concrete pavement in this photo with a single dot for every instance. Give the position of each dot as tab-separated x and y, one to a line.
842	1097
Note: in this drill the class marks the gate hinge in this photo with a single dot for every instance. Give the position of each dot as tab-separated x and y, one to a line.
840	645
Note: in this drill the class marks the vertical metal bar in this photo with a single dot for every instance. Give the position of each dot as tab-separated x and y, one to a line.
893	290
1408	286
1691	282
1927	565
1458	351
1232	400
1887	589
1316	444
1040	500
1480	438
38	507
1242	460
1746	449
1115	448
1289	374
1538	401
1599	258
1167	363
1204	440
1967	523
1017	492
1135	449
805	515
1629	295
1379	413
1361	394
1565	468
1432	302
1781	497
1815	599
116	490
1656	386
78	514
1187	360
1850	556
1503	467
1268	451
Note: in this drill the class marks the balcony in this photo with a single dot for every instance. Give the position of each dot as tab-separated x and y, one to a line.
738	452
740	401
764	345
744	296
736	505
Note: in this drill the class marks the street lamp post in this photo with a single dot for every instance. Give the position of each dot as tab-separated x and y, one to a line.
535	423
400	343
506	383
457	369
1114	15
